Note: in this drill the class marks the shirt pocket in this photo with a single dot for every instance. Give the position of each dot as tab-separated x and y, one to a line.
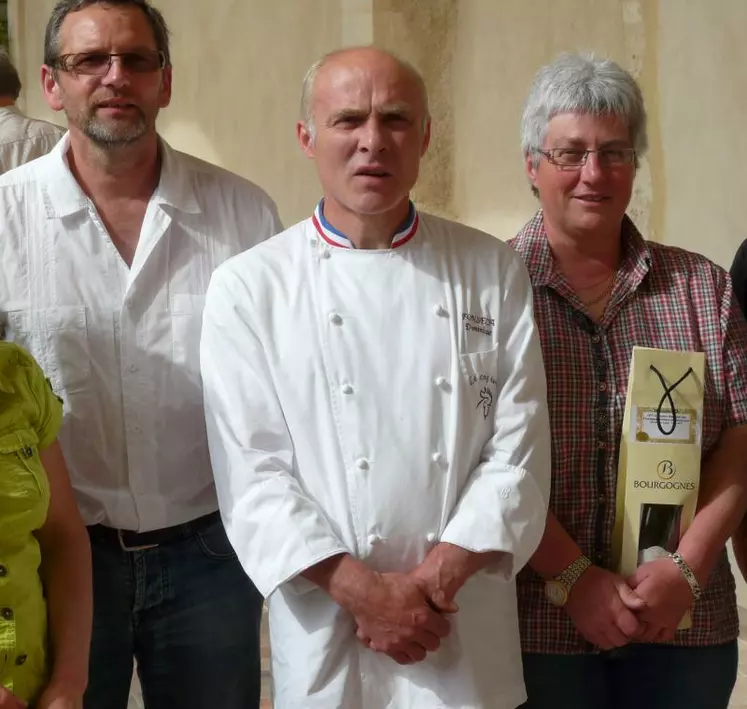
23	486
478	390
58	339
186	326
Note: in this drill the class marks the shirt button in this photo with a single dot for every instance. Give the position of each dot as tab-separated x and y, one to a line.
601	445
595	339
438	458
21	659
347	389
361	464
372	539
3	571
132	368
601	499
603	386
431	537
325	253
440	311
335	319
7	613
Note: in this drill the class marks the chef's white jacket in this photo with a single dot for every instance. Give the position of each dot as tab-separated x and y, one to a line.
376	402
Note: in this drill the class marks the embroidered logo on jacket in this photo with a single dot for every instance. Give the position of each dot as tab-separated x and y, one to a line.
486	401
478	323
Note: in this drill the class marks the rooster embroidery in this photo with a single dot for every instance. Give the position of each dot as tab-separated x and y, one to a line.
486	401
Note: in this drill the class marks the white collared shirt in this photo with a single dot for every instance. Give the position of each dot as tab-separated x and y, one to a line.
121	345
376	402
23	139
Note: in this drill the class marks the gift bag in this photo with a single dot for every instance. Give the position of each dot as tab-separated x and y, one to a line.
660	449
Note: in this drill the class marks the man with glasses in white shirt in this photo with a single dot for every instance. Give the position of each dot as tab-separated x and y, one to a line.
108	247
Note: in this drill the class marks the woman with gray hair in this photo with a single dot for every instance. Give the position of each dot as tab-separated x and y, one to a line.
590	637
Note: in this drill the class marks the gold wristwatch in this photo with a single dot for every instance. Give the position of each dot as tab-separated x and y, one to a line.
558	589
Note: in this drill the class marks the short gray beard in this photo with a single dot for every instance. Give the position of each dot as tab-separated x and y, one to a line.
103	135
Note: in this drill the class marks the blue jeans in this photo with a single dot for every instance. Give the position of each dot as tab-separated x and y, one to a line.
189	615
644	676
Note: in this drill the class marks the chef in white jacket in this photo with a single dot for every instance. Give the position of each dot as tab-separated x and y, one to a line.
376	412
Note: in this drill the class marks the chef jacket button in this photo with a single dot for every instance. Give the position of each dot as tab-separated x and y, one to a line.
372	539
431	537
7	613
347	389
440	310
324	253
441	383
361	464
335	319
438	458
21	659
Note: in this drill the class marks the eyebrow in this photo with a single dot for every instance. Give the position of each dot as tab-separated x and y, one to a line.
344	113
396	109
389	110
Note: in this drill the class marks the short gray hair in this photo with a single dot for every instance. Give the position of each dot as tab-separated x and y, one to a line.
576	83
307	89
64	7
10	82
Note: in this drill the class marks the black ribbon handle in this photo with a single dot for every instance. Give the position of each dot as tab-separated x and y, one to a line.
668	397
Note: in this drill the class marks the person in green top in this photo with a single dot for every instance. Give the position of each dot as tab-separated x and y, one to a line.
45	559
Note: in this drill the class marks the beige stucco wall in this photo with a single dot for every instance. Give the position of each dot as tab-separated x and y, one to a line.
239	63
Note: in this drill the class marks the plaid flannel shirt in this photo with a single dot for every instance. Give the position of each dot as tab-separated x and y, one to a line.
663	297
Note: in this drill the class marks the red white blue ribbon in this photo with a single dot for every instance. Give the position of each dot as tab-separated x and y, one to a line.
336	238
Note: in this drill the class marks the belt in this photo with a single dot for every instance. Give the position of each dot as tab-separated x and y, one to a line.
139	541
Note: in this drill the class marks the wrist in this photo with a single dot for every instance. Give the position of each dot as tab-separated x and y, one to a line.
452	566
558	588
688	574
346	579
67	684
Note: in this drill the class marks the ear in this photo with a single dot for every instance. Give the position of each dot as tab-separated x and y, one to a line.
426	138
530	169
305	139
165	97
51	88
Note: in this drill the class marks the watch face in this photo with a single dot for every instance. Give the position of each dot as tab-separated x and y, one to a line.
556	593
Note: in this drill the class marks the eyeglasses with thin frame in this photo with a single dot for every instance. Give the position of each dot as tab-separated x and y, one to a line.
99	63
577	157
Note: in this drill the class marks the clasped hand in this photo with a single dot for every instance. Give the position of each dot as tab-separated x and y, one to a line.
610	611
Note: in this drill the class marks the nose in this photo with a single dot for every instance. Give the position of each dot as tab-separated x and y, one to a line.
372	138
593	169
116	75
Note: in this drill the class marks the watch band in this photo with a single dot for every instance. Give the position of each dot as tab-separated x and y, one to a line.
688	573
573	571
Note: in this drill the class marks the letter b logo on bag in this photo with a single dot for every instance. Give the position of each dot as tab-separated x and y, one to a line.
666	469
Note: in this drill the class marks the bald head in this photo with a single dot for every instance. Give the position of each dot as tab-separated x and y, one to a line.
363	58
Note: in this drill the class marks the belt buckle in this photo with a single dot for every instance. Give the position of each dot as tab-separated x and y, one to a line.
124	547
